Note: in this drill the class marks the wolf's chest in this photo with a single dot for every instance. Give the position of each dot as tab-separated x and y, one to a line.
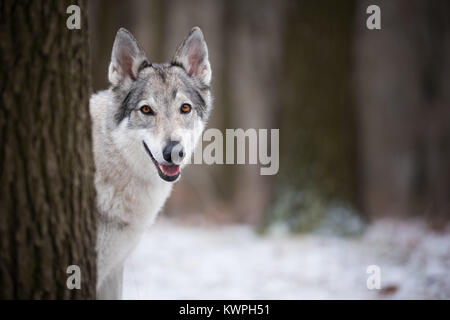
125	213
132	203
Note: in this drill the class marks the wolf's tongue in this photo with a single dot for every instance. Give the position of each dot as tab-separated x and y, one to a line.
170	170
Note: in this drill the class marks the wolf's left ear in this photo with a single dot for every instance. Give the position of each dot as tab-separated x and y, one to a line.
127	58
192	55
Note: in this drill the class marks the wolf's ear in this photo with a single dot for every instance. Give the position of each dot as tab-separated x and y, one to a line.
192	55
127	58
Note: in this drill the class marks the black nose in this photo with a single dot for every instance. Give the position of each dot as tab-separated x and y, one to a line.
173	152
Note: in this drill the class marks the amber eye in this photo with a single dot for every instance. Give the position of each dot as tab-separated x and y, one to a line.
185	108
147	110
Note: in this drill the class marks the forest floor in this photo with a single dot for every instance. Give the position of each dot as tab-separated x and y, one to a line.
175	261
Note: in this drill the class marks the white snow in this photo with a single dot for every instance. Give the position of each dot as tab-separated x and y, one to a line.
233	262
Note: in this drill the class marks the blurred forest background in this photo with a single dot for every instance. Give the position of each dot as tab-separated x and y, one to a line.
364	115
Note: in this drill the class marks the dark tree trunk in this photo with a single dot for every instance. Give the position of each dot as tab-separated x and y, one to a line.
47	198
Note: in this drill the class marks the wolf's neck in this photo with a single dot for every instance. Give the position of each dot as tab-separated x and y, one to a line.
126	197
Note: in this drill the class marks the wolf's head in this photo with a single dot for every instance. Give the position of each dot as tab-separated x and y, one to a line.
159	110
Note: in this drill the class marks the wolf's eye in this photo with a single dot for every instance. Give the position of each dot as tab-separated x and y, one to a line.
147	110
185	108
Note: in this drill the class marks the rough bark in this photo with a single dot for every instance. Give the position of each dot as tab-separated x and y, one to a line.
47	198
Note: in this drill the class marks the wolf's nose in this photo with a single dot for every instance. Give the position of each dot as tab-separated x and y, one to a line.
173	152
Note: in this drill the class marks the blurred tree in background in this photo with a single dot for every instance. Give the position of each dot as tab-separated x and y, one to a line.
402	86
317	120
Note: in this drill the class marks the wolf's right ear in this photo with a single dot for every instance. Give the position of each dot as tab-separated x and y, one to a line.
127	58
192	55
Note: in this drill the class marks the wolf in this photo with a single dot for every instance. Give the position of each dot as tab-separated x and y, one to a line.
144	128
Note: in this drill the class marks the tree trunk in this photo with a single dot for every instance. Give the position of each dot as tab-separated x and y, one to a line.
47	198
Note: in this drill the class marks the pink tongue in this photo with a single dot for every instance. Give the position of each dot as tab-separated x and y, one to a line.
170	170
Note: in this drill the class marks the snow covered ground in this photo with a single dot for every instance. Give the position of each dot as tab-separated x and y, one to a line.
233	262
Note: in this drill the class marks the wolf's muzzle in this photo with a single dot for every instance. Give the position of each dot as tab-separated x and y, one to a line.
169	172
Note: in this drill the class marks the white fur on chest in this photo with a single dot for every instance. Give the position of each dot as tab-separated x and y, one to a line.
125	214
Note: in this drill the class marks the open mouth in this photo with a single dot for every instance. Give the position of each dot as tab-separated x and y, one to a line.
167	172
